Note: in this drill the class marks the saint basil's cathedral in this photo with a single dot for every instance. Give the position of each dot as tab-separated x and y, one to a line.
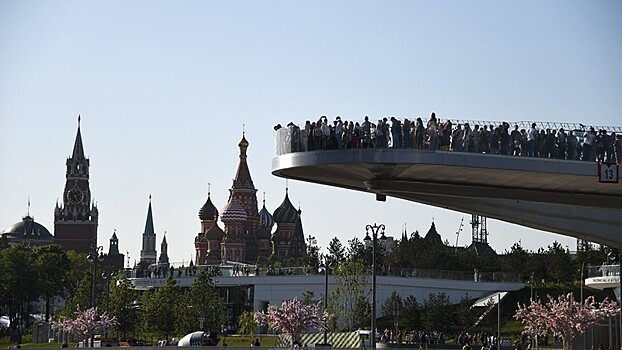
247	234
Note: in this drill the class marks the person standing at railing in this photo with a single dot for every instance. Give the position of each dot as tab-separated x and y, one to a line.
445	135
468	138
484	139
339	132
562	147
571	146
475	139
396	133
432	130
407	135
325	132
457	141
420	133
515	137
317	134
617	147
350	136
588	141
380	135
504	139
366	133
386	131
532	137
494	137
609	151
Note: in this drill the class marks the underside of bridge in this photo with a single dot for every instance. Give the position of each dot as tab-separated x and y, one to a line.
553	195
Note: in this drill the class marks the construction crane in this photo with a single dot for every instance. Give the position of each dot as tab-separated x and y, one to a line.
458	234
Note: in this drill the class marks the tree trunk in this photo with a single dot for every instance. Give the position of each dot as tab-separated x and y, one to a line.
568	343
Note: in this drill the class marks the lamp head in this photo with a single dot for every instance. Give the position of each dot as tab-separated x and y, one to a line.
612	256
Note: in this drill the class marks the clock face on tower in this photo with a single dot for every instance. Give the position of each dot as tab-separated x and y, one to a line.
75	196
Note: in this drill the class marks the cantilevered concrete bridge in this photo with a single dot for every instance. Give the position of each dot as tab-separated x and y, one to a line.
561	196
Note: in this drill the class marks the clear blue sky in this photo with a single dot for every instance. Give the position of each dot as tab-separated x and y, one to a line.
164	88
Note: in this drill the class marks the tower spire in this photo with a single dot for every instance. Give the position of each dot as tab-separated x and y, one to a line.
78	148
148	252
149	230
243	178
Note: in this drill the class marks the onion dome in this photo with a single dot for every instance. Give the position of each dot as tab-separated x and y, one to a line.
214	232
265	218
264	233
243	143
200	238
208	211
233	212
285	213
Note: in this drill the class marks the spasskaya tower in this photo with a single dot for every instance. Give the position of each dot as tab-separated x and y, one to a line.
75	220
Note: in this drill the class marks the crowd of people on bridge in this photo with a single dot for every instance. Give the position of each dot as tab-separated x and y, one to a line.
585	144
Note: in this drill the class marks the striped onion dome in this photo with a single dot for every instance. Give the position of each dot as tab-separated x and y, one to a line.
285	213
265	218
233	212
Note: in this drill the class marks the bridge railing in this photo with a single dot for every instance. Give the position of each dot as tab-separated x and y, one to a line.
243	271
294	138
603	271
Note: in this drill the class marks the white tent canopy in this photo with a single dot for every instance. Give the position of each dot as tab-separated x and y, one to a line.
490	300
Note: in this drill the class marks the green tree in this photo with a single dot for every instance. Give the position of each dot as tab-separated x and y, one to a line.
437	312
51	264
336	251
247	324
559	265
202	299
536	266
307	297
349	298
465	317
78	287
411	313
123	305
18	286
161	308
312	254
392	310
356	251
515	261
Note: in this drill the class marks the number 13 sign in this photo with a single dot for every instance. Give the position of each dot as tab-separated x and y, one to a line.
608	172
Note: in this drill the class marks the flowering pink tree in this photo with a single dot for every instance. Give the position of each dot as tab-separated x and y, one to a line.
564	316
293	317
86	323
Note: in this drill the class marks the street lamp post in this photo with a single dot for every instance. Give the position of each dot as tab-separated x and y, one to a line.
94	256
374	238
612	257
326	272
582	282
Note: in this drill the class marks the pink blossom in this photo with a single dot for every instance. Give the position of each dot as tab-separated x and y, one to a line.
293	317
86	323
564	316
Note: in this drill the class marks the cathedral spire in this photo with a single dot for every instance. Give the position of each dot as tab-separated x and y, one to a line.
148	252
243	176
149	230
78	148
